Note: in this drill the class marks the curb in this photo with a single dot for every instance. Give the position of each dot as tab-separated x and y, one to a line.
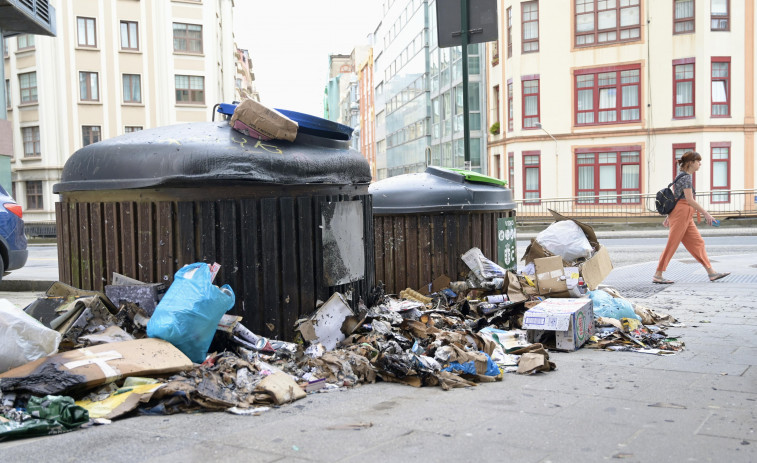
25	285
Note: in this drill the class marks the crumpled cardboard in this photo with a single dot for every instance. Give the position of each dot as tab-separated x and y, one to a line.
325	326
278	388
264	120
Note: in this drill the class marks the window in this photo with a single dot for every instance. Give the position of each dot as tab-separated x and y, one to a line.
509	106
90	134
608	95
683	89
679	149
129	35
190	89
530	102
474	107
721	83
187	38
25	42
720	15
435	118
608	175
30	136
510	32
34	195
721	172
495	97
530	16
28	87
607	21
511	171
5	46
8	101
88	86
132	88
683	16
132	128
531	184
494	172
86	32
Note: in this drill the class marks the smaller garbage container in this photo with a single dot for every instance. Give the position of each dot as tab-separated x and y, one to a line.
424	222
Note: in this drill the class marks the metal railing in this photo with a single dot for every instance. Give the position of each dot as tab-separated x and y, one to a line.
632	207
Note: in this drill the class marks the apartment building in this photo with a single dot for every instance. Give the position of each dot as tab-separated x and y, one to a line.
596	99
367	125
115	67
244	86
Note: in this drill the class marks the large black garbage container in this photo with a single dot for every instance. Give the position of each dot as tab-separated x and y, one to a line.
290	223
424	222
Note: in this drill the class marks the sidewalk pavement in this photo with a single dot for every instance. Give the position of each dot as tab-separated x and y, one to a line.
698	405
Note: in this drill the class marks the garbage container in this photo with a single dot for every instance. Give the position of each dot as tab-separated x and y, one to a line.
424	222
290	223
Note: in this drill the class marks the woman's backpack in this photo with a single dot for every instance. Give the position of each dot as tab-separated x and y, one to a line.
666	199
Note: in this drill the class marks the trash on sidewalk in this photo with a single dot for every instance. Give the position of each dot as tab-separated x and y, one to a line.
188	315
43	416
81	369
593	268
125	289
22	338
563	324
325	326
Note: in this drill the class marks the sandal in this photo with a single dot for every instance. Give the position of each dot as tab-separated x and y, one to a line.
717	276
662	281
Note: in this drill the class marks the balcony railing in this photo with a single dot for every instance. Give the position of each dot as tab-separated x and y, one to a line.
632	207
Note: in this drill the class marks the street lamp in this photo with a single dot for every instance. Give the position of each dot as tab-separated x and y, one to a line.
557	177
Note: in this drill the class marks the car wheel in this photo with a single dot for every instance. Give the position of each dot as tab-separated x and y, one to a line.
2	268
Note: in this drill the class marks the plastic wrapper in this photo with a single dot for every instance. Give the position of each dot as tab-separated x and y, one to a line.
22	338
606	306
565	239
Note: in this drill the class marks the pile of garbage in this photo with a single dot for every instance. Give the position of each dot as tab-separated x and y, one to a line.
78	358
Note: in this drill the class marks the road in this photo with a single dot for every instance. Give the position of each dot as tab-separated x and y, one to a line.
629	251
43	258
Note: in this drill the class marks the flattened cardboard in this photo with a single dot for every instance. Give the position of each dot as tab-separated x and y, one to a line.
571	319
93	366
596	269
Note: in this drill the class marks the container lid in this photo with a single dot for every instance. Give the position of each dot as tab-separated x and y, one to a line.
318	126
209	153
440	190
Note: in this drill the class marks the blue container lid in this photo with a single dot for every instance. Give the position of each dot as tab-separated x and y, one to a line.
318	126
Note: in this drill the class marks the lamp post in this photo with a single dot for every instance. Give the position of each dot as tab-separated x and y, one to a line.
557	176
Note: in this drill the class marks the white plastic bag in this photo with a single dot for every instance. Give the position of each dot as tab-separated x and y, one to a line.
566	239
22	338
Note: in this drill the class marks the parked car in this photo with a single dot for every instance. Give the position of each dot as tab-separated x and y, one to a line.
12	239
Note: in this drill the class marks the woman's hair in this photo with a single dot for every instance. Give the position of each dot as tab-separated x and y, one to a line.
687	158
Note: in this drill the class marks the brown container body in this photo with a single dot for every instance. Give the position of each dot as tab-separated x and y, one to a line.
268	241
413	250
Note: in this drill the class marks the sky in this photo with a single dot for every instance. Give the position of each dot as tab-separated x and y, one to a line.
289	42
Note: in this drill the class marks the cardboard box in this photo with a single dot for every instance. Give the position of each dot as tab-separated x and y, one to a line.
594	270
572	320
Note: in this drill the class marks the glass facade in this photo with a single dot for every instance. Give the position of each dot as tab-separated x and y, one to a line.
422	90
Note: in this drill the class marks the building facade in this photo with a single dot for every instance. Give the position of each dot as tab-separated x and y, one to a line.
244	86
114	67
367	126
420	88
596	100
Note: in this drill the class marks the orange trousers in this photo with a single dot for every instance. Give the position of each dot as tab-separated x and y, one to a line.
683	230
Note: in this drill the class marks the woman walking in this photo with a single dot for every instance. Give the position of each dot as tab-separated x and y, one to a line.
681	221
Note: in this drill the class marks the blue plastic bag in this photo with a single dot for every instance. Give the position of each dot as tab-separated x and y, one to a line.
470	367
189	312
611	307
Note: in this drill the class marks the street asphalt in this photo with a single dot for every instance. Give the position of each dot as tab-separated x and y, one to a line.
697	405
